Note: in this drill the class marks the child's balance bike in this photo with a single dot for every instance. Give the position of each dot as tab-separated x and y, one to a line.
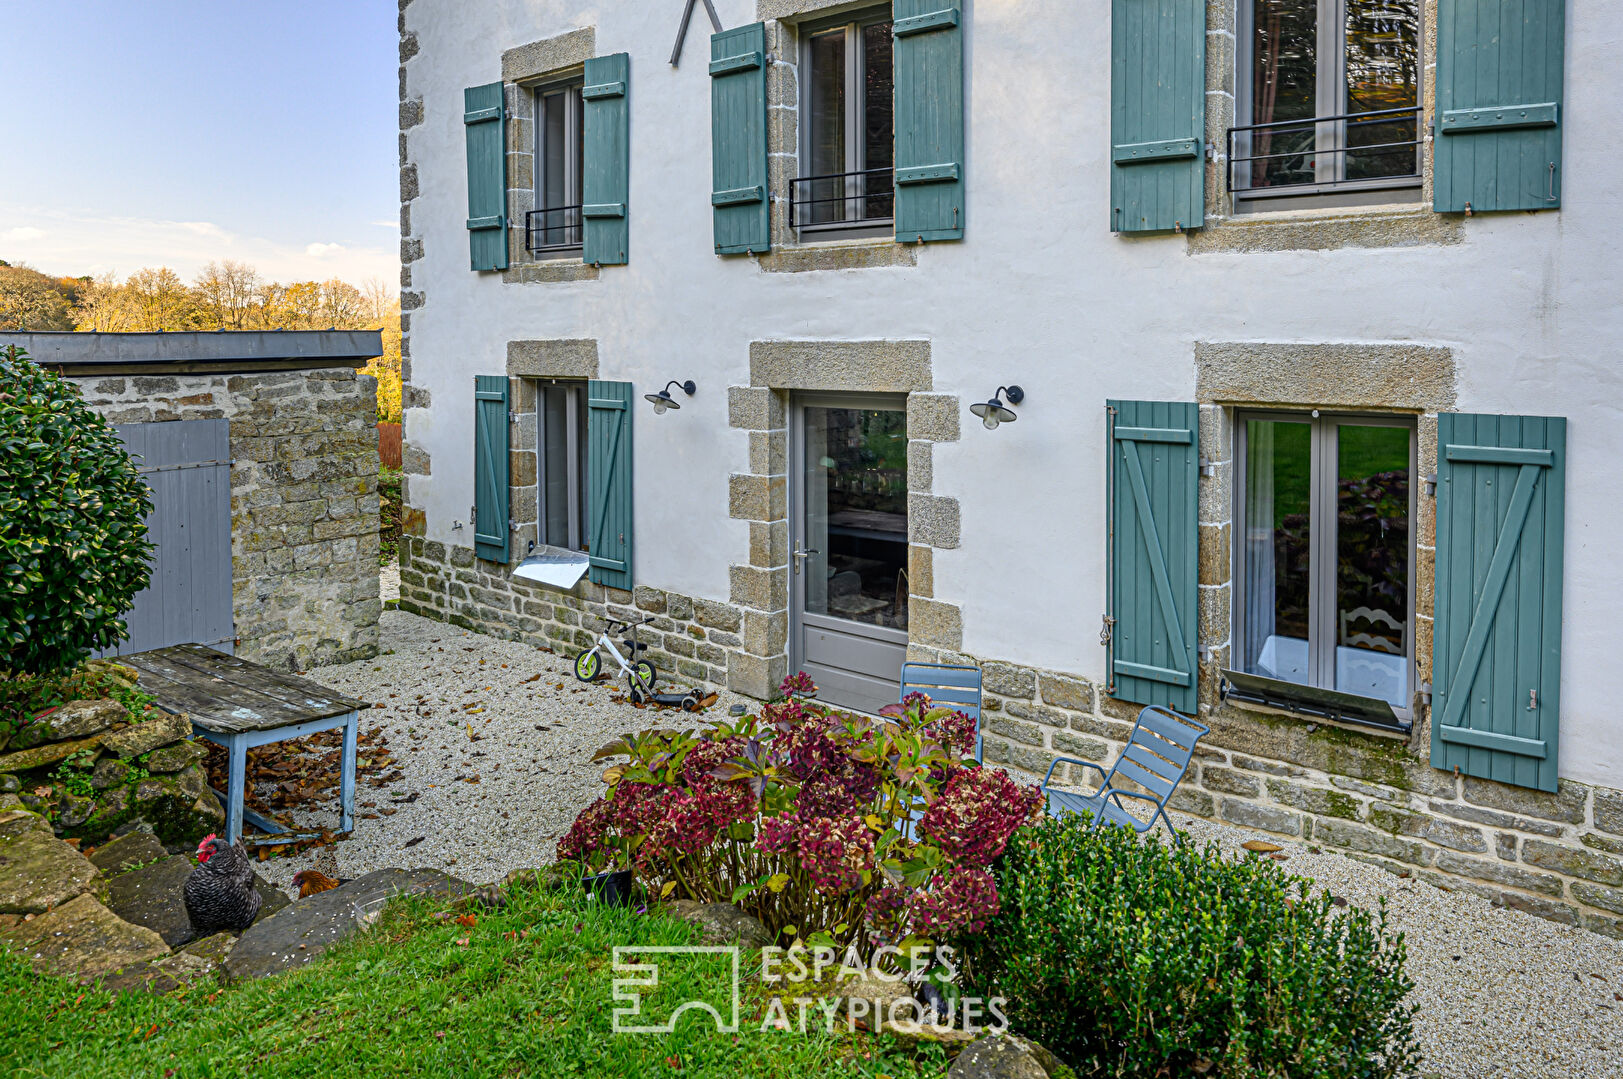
640	674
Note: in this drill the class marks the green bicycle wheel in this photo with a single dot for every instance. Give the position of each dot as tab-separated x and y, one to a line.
586	666
647	673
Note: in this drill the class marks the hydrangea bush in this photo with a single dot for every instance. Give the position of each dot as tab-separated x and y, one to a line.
829	827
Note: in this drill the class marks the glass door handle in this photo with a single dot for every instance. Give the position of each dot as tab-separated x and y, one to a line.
801	555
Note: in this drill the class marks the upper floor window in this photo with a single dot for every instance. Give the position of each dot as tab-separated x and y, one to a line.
554	226
847	152
1329	103
1324	568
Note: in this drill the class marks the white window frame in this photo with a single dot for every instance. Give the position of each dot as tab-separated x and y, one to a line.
575	454
1322	468
1330	100
568	90
856	111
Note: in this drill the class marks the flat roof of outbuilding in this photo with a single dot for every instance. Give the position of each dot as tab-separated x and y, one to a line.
219	352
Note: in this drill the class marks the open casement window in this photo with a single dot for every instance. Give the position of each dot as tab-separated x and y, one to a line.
554	228
1154	543
561	484
610	502
1496	646
847	110
1324	557
1328	102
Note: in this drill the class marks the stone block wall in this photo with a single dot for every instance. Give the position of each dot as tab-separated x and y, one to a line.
690	641
304	500
1559	856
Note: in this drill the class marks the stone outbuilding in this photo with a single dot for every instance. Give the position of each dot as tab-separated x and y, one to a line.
261	451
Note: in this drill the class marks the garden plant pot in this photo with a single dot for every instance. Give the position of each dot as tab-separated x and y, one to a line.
612	888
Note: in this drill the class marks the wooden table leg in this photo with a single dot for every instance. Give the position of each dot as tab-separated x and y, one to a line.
346	790
236	786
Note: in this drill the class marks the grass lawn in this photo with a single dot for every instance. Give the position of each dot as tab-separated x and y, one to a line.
524	992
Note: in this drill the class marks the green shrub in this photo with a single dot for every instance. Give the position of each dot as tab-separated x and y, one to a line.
1131	959
73	546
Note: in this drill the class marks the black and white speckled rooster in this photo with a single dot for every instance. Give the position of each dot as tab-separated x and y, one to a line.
220	892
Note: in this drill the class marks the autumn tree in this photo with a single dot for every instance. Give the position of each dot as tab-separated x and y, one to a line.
226	293
30	300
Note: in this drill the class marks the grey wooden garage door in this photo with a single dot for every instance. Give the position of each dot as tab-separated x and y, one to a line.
187	464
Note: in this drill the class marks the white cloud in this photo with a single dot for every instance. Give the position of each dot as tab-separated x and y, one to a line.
65	242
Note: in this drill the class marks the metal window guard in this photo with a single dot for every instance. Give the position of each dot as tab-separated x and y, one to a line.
553	227
874	203
1311	125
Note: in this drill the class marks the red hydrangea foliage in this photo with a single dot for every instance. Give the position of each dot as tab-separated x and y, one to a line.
844	829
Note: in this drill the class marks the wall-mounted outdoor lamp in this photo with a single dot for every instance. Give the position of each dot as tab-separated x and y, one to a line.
994	412
663	399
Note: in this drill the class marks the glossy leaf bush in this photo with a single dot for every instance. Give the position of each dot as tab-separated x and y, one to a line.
1134	960
831	828
73	546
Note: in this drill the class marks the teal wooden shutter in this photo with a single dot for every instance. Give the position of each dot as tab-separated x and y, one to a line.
490	493
1154	537
606	175
1157	115
484	121
929	59
738	140
608	480
1496	644
1498	144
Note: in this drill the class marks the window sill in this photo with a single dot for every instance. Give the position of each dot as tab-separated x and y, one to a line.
549	271
1384	733
1327	229
864	253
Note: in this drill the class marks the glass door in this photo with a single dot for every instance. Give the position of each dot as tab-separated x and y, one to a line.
848	550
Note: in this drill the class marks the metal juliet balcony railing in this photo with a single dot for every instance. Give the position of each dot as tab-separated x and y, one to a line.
867	197
553	227
1326	151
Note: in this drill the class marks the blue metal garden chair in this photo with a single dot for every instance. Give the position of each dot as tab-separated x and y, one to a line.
1155	758
950	684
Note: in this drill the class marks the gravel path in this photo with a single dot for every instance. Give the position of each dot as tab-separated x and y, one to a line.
389	581
1502	993
485	804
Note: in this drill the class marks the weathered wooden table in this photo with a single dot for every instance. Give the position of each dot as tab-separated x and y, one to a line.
240	705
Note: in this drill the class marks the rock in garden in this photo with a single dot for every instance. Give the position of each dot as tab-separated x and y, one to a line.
179	807
10	784
886	1006
159	730
1004	1056
110	772
304	930
215	948
151	896
547	878
173	758
40	756
79	719
131	849
37	870
73	810
721	923
82	938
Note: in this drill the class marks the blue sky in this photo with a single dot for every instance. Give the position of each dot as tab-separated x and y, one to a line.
171	132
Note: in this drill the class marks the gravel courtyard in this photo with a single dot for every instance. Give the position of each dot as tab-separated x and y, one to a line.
495	738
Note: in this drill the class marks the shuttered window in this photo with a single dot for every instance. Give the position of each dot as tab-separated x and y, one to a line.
490	493
1154	538
1499	103
483	119
929	58
1496	652
608	474
606	172
1157	115
738	193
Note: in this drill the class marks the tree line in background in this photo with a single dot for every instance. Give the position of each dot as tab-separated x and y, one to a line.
226	295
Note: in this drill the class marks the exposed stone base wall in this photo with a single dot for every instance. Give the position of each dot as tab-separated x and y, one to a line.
1372	797
690	640
304	501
